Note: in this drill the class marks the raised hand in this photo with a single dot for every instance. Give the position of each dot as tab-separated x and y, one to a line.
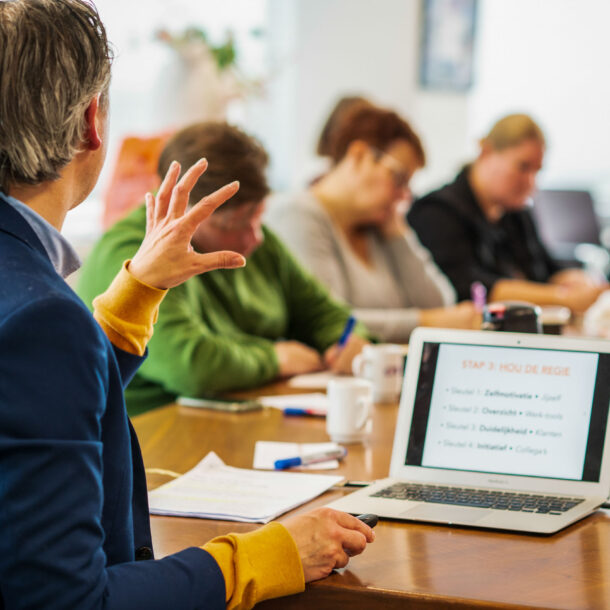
166	258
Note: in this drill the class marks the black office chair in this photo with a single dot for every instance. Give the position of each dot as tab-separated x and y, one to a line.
570	228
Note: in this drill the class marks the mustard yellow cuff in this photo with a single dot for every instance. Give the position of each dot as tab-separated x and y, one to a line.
128	310
258	565
273	553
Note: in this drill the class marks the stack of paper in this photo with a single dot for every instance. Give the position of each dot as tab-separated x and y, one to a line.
313	381
315	400
267	452
213	490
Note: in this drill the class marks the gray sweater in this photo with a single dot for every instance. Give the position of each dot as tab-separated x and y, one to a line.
388	294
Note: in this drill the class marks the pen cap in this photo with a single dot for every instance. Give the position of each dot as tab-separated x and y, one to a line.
287	463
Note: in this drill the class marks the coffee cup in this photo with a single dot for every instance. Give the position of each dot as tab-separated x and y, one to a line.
554	319
383	365
349	411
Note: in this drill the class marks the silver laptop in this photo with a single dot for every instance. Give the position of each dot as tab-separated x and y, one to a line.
497	430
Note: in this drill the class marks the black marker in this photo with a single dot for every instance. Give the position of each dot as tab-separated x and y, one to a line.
356	483
368	518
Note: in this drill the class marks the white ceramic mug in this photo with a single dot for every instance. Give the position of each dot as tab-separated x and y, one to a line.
349	411
383	365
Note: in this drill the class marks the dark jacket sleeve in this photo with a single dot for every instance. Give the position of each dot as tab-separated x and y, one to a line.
128	363
54	383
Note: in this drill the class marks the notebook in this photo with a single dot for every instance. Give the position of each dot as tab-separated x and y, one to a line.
497	430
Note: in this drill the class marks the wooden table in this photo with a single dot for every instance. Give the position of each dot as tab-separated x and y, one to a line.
410	565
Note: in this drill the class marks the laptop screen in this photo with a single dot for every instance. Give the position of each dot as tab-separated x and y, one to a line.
510	410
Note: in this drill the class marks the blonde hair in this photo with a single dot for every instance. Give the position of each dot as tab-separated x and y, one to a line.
511	130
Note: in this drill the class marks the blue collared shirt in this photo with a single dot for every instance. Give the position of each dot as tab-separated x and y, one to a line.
62	255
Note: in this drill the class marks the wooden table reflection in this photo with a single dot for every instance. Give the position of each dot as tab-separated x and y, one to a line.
410	565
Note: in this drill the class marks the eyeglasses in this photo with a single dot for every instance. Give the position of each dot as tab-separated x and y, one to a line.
399	174
236	219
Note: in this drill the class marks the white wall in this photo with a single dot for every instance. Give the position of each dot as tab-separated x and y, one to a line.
550	58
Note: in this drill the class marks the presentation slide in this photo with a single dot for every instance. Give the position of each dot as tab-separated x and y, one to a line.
510	410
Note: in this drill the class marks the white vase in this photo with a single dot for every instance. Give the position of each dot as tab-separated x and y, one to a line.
191	88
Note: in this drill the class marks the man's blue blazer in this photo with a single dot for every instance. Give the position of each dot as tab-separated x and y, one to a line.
73	504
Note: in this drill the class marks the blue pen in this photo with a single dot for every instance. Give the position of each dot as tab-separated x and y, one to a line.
304	411
314	458
347	331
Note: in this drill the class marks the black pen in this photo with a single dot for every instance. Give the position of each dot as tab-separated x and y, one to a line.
351	484
368	518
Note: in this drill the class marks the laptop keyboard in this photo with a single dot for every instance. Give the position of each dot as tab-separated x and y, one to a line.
479	498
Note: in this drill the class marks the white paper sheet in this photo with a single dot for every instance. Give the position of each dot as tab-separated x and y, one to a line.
266	452
314	400
313	381
213	490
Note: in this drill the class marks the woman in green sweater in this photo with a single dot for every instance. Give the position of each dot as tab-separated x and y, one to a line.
226	330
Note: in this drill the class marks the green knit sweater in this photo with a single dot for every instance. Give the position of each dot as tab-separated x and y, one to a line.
216	332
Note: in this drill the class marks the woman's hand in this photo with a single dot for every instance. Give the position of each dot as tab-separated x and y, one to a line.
296	358
166	258
462	315
396	224
339	359
574	278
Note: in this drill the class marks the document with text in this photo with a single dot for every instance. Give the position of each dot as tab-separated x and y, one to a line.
213	490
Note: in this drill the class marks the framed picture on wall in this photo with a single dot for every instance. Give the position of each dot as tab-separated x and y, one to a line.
446	53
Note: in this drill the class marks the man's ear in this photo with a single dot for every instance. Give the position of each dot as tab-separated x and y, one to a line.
485	148
93	134
357	151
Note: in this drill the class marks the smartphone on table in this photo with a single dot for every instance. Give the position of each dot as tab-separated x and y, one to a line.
229	405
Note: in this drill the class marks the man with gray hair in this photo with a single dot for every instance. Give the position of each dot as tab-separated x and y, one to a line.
73	504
